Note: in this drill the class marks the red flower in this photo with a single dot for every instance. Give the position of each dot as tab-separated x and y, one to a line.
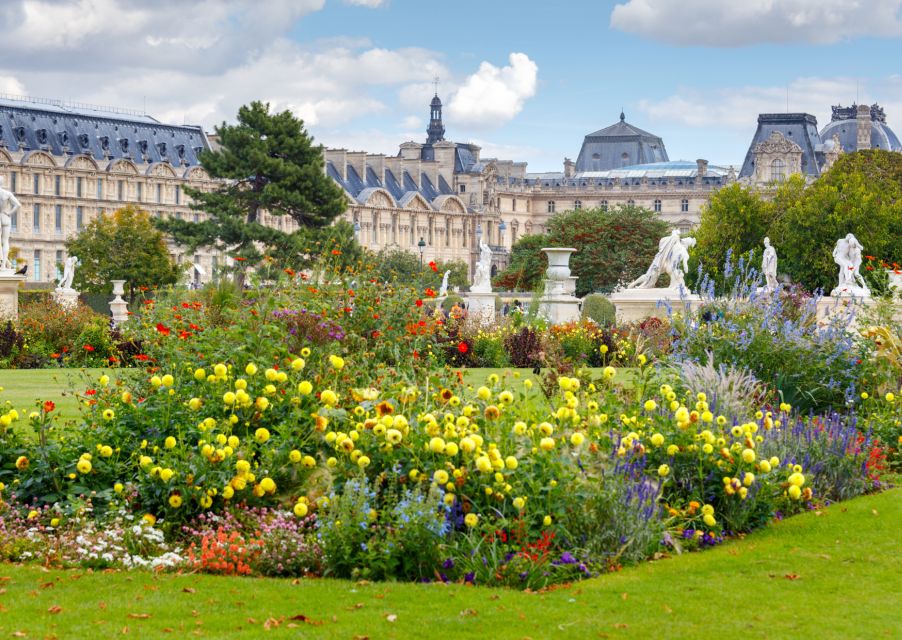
376	334
419	303
430	293
462	347
289	271
88	348
336	252
55	356
49	406
184	335
185	305
240	259
90	392
148	302
194	327
142	357
870	257
163	329
347	309
113	359
416	354
432	265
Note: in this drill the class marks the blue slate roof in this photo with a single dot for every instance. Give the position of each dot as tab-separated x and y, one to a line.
674	173
53	125
844	125
619	145
402	187
800	128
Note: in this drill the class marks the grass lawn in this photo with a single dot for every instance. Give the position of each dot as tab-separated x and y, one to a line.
827	574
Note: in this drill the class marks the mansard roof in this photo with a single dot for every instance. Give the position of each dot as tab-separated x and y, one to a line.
619	145
843	124
800	128
62	130
402	187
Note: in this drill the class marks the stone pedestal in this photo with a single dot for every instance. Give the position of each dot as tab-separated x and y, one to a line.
9	294
481	306
635	305
558	305
845	307
66	298
118	306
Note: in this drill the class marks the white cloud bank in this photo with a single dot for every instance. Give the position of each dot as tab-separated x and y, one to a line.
736	23
492	96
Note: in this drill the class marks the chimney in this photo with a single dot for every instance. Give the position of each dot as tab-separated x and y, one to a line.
339	158
357	159
377	162
444	157
413	167
702	167
863	120
569	168
411	150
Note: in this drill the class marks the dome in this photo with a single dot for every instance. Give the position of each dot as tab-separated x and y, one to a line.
436	101
844	126
619	145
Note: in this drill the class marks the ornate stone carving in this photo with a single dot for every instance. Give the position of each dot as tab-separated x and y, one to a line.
777	143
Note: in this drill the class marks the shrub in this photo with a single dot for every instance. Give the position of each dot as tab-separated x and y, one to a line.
599	309
524	347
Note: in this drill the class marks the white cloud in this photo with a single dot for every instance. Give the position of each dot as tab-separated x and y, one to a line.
738	107
735	23
11	85
372	4
411	122
492	96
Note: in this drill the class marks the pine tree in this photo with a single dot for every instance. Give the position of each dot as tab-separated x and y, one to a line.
265	162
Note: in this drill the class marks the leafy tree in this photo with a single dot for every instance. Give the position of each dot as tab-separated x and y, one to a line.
860	194
121	246
736	220
613	245
265	162
397	265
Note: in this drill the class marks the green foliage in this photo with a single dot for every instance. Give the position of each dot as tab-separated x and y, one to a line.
612	245
122	246
398	265
735	221
598	308
860	194
267	162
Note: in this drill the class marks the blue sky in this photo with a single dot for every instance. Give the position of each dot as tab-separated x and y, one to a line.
526	80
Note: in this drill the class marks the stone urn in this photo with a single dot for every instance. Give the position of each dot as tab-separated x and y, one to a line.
558	262
118	306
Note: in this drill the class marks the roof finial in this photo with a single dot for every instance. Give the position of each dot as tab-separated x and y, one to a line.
435	83
622	117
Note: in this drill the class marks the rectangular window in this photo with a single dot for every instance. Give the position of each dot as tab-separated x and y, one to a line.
14	222
100	188
140	191
463	188
36	218
159	193
59	262
514	204
120	190
36	267
79	218
36	183
58	185
13	180
178	194
197	217
58	218
79	187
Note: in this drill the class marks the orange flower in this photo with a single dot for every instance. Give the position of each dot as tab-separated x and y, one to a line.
49	406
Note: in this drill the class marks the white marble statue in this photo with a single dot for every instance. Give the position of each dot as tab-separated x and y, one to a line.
672	259
9	206
443	290
769	266
482	278
847	255
69	265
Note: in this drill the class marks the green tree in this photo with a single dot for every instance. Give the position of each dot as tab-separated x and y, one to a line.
397	265
121	246
612	245
265	162
736	220
860	194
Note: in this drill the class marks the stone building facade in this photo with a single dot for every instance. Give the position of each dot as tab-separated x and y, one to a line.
446	194
68	164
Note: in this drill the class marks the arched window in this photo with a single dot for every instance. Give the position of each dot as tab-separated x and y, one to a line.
658	206
778	170
604	205
577	204
684	205
551	206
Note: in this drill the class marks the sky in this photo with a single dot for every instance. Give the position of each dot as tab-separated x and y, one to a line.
524	79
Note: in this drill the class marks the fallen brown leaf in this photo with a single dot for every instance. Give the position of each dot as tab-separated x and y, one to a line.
621	625
469	613
48	585
667	609
361	638
624	595
189	590
54	609
359	605
139	616
791	576
307	620
101	605
19	634
271	623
